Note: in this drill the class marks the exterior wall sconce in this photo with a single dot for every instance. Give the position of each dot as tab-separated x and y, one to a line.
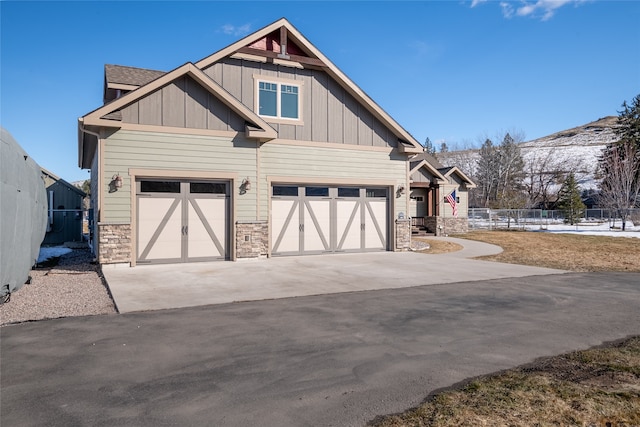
116	183
245	186
400	191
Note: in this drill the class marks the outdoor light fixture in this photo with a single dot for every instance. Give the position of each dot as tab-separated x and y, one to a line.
116	183
245	186
117	179
400	191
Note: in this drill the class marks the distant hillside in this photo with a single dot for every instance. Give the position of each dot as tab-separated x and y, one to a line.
577	148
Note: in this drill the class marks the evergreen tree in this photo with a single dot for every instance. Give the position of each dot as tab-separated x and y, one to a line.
428	147
487	172
629	123
570	202
444	148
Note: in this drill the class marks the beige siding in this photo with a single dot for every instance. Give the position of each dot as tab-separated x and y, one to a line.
463	206
329	113
318	162
145	150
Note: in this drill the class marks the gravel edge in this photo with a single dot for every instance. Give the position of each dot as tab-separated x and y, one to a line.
74	287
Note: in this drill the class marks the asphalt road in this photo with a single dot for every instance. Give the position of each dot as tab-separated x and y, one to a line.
338	359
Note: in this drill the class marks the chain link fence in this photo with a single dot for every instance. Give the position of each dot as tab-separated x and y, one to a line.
483	218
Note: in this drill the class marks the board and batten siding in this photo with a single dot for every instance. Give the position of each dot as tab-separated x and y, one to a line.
334	164
183	104
328	112
421	175
175	152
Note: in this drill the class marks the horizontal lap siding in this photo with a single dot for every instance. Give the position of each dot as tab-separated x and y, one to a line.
145	150
330	163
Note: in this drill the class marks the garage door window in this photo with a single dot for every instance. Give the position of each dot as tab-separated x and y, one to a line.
160	186
316	191
281	190
348	192
376	192
207	188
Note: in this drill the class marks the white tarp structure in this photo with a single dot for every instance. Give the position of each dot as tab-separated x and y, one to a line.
23	213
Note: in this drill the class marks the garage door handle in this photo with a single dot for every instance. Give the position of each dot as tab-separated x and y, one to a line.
185	230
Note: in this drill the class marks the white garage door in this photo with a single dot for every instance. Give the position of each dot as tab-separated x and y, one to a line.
182	221
317	219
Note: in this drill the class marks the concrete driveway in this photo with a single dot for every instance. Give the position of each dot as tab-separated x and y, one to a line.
329	360
153	287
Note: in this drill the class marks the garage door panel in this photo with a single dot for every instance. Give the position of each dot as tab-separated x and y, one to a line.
159	230
313	219
207	224
348	228
317	225
285	225
375	224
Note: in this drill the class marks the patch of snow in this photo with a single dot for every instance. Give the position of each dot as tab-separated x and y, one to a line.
597	229
52	252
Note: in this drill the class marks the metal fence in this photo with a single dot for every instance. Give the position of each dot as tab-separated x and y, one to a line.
483	218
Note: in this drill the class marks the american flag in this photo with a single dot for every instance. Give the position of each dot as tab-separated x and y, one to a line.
451	198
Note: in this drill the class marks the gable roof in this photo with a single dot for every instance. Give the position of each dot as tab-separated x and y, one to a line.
104	116
264	42
294	49
423	163
63	182
447	172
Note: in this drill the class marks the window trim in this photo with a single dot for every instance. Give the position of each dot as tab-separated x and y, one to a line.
279	82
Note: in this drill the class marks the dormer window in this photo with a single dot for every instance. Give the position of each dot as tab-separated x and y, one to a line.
278	99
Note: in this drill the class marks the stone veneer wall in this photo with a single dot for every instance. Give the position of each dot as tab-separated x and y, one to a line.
252	239
114	243
403	235
441	226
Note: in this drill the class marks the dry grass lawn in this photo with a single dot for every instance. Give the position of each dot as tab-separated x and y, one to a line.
563	251
438	246
599	387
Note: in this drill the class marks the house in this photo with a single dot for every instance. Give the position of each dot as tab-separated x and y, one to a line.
64	210
430	209
264	148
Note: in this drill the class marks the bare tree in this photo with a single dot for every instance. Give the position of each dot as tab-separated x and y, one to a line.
620	186
545	171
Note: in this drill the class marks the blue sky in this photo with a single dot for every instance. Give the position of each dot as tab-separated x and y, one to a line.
453	71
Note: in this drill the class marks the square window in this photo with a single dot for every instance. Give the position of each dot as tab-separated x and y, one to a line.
278	100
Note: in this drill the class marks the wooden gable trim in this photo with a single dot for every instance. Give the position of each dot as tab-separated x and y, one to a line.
433	171
465	178
332	70
262	130
273	55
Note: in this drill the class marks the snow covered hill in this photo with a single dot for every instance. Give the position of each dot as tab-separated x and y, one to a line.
574	149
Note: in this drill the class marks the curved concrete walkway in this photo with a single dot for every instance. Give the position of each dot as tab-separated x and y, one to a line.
154	287
470	248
